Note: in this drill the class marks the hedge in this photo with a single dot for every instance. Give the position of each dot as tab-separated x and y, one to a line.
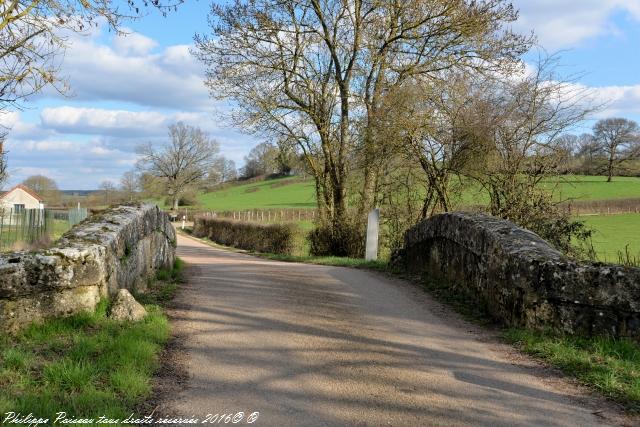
270	238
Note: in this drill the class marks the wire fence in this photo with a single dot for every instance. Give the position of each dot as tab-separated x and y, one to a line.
252	215
24	228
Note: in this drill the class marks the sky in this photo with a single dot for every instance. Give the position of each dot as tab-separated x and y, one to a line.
125	91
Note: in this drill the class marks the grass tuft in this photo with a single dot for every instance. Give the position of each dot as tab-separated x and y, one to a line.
610	365
86	365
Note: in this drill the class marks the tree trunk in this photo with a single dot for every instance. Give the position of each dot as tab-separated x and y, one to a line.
610	170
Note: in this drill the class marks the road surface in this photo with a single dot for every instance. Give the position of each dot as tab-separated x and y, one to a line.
308	345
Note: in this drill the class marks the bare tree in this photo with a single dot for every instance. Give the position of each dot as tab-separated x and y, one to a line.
108	189
184	161
517	123
424	124
3	161
46	187
130	185
619	140
312	72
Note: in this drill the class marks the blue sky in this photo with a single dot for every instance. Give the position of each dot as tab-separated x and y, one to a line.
126	90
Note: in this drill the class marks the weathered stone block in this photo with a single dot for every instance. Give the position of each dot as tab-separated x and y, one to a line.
119	248
126	309
520	279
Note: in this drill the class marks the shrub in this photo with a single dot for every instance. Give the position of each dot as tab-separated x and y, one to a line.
271	238
346	239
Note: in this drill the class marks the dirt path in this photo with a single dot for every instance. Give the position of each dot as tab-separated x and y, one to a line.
309	345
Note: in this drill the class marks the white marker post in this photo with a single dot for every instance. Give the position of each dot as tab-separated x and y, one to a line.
184	218
373	220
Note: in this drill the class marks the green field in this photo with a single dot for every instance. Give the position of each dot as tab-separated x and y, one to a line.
294	193
597	188
613	233
271	194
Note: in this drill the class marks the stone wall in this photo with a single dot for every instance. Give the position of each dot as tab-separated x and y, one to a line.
520	279
119	248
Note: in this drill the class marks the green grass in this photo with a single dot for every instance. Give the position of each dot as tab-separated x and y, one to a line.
12	237
611	366
86	365
59	228
292	193
597	187
270	194
613	233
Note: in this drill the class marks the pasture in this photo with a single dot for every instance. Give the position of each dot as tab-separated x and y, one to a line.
269	194
296	193
611	232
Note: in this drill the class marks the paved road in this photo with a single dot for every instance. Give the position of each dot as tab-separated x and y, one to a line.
324	346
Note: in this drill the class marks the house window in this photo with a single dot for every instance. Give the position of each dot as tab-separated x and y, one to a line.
18	208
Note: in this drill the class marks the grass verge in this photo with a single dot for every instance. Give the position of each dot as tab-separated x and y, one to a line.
86	365
611	366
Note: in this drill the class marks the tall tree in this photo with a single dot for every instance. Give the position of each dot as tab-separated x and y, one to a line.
517	122
619	140
184	161
312	71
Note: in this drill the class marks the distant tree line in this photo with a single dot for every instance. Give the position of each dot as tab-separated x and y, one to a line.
612	148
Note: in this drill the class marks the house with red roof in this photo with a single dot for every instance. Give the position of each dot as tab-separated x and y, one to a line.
19	198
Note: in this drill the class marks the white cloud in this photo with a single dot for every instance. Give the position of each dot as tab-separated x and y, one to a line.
134	44
619	100
567	23
98	121
120	123
43	146
13	122
128	70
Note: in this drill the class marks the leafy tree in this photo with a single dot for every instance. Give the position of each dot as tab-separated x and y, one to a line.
182	162
619	140
261	160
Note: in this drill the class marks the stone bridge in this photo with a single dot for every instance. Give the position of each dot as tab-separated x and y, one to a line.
521	280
